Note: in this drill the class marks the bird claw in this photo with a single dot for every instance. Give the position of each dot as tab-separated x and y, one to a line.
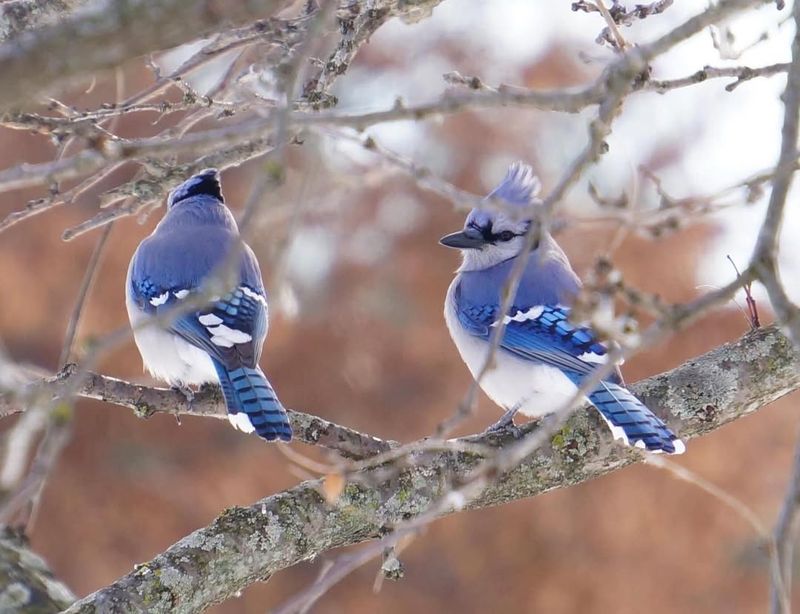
505	425
187	393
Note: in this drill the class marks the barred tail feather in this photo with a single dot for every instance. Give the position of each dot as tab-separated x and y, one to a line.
630	421
252	403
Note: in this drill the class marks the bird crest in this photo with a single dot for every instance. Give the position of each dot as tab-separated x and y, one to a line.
205	182
520	186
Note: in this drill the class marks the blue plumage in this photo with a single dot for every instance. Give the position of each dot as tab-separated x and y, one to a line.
545	335
248	392
543	357
220	342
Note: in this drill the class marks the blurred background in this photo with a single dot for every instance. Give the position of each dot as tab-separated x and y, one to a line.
349	253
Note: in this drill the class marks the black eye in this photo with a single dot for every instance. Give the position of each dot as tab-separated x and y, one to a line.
506	235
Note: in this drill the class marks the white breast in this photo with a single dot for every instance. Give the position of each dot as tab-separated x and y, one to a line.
533	388
168	357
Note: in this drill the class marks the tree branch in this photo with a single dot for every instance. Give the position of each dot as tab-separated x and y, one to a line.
146	402
785	534
26	584
17	16
107	34
765	254
244	545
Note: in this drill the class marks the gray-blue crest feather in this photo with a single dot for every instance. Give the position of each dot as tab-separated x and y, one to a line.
520	186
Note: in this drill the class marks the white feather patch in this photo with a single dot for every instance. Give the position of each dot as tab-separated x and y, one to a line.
241	421
523	316
226	337
618	433
253	295
210	319
181	294
595	358
159	300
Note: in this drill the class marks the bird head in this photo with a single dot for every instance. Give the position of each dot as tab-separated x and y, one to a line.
490	235
205	183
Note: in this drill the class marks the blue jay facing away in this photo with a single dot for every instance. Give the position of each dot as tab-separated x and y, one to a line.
220	342
543	357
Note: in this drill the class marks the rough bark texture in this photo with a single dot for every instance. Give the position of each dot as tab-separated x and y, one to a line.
17	16
146	401
26	584
246	544
110	32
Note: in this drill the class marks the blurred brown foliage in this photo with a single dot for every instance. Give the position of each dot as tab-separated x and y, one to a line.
370	351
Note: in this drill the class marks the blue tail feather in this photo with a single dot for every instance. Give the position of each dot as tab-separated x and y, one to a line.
252	403
632	422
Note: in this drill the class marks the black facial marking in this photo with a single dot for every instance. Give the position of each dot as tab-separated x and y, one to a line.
498	237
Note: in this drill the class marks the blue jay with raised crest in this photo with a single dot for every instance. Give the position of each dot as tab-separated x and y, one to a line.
221	342
543	357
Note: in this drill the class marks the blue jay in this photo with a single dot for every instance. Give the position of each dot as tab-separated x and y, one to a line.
543	357
220	342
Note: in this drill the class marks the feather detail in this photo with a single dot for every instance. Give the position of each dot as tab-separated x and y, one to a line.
520	186
633	423
252	404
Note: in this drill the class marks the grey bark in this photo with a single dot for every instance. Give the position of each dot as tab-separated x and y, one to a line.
17	16
107	33
26	583
146	402
247	544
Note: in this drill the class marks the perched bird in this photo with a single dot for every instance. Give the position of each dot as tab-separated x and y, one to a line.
543	357
220	342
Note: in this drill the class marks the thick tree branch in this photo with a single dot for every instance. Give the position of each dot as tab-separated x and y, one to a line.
245	545
26	584
17	16
107	34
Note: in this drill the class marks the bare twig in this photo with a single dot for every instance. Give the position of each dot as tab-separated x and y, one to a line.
83	293
765	255
785	534
682	473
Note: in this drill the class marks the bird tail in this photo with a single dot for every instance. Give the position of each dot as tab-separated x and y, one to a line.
252	403
630	421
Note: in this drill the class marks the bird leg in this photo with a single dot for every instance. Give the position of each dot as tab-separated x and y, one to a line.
188	394
505	424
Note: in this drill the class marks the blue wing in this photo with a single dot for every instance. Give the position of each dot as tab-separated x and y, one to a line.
542	334
231	330
168	269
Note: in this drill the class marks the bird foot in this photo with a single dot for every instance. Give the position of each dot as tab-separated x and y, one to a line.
187	393
505	425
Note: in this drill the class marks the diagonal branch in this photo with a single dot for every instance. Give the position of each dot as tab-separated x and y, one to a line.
245	545
146	402
107	34
28	584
